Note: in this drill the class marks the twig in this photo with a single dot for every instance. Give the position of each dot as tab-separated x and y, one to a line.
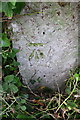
58	92
5	101
52	116
50	103
15	17
8	107
67	97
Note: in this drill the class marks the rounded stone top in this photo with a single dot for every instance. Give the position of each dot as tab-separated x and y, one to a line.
48	43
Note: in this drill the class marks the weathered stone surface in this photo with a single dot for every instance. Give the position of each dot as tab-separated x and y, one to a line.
48	43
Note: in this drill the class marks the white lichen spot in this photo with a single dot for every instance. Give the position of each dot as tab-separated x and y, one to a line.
15	27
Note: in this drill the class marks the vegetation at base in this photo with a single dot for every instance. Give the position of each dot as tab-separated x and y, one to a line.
10	8
19	101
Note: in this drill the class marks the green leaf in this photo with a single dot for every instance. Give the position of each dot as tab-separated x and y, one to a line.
23	101
13	88
21	116
67	90
71	103
5	42
76	76
17	81
5	86
19	7
15	63
13	2
23	108
9	78
17	107
7	9
12	54
77	116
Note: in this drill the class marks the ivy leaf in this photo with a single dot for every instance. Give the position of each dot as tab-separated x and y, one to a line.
9	78
5	86
13	88
12	54
15	63
19	7
13	2
17	81
7	9
5	42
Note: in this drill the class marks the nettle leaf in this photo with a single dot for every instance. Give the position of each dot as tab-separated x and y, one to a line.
5	42
13	88
9	78
7	8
